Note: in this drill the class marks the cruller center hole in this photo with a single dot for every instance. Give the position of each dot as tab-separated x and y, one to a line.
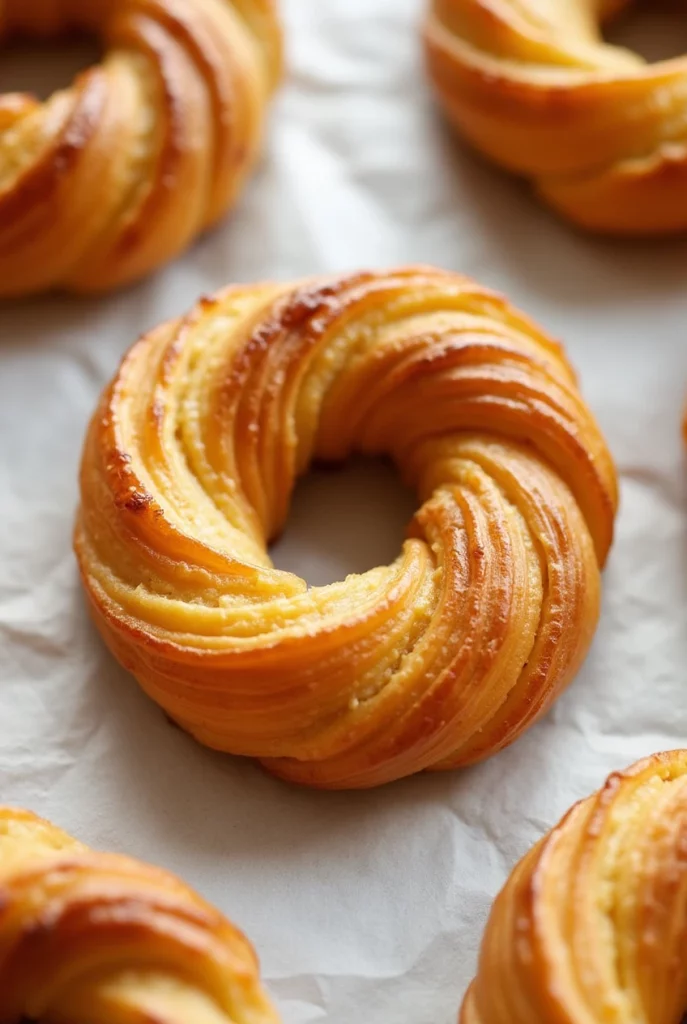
656	29
345	520
44	67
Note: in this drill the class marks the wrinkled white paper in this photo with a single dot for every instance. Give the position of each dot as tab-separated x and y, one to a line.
365	906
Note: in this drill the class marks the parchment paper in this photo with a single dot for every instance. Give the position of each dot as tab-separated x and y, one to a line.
364	907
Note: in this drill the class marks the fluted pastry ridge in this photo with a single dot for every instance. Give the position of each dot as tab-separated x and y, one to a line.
534	86
117	174
435	661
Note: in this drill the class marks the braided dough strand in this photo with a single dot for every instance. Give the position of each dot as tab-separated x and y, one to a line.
435	661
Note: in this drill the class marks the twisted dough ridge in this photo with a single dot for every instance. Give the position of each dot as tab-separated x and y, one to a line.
435	661
591	926
90	937
533	85
117	174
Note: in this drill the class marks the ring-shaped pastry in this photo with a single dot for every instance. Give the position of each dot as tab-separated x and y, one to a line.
117	174
97	938
435	661
591	925
533	85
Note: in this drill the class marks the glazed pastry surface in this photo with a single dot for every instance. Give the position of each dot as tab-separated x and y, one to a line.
601	133
591	926
117	174
436	661
95	938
